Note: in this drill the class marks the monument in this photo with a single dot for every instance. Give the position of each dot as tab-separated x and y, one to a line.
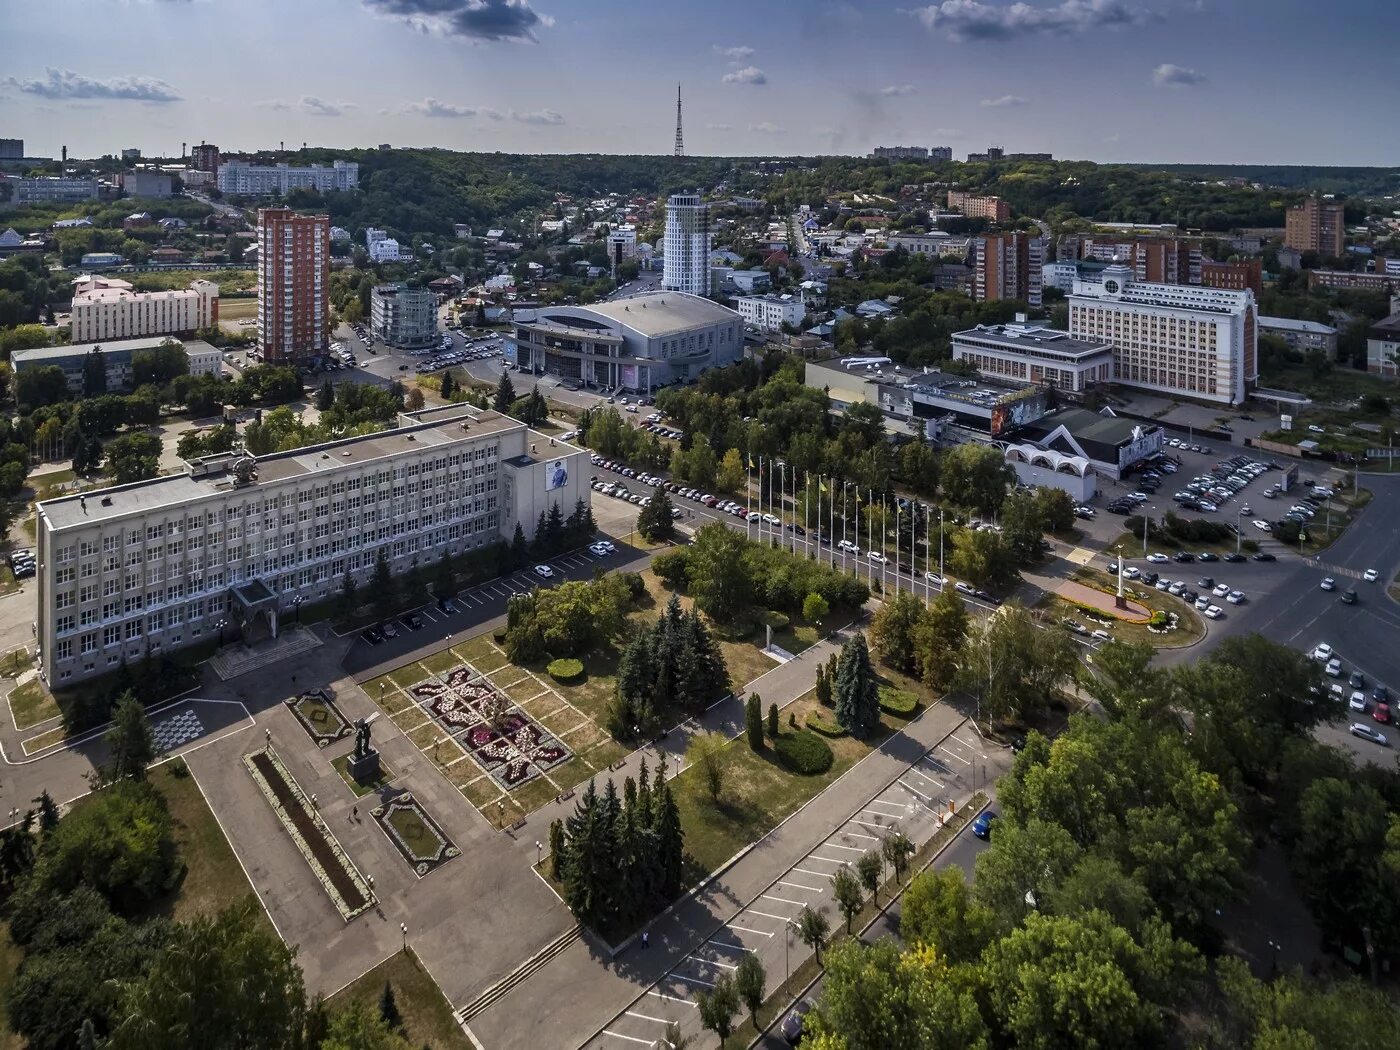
364	760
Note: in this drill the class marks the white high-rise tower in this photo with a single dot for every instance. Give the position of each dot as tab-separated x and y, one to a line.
687	254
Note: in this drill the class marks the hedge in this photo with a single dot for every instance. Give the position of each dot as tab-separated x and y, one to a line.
774	619
897	701
803	752
818	724
499	635
565	670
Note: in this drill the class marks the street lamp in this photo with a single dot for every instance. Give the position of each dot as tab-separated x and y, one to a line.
296	607
221	625
403	928
539	853
1146	519
787	970
1273	968
1239	529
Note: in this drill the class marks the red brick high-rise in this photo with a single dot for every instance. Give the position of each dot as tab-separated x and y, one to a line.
294	276
1008	266
1315	226
205	157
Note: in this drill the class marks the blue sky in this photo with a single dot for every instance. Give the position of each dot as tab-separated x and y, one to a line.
1242	81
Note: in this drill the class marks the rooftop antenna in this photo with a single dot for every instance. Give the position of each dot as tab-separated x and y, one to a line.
680	143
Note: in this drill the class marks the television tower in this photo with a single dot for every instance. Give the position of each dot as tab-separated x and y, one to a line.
680	144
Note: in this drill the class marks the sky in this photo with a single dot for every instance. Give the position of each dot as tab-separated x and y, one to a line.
1203	81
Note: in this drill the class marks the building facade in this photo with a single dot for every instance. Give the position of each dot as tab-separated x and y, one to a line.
1008	266
1315	226
1383	347
403	316
106	308
116	357
1021	353
1247	273
294	272
231	544
635	344
253	180
145	184
900	153
1155	260
935	243
205	157
1301	335
1370	281
771	312
975	206
1199	343
687	245
54	189
940	153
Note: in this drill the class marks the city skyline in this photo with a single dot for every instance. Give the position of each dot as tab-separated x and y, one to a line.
1105	80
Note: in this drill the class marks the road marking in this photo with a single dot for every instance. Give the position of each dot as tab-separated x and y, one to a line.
710	962
646	1017
925	776
916	791
629	1038
957	758
837	845
783	900
690	980
799	886
937	766
670	998
868	824
732	947
818	874
766	915
859	835
881	802
745	929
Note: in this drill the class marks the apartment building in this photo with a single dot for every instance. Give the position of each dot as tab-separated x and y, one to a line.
1315	226
145	184
205	157
935	243
622	243
117	360
636	344
1008	266
1195	342
771	312
975	206
1026	353
687	245
1247	273
231	544
1301	335
900	153
939	154
294	272
403	316
1154	260
1383	347
253	180
54	189
106	308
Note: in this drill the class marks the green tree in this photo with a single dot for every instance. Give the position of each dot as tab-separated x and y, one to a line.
815	608
358	1027
719	579
718	1007
133	457
731	475
654	521
870	869
505	394
325	396
893	628
856	692
937	910
130	745
1013	667
1021	525
94	373
707	752
383	581
449	385
976	476
753	721
773	721
1056	508
896	849
938	639
846	891
37	387
982	558
749	980
813	929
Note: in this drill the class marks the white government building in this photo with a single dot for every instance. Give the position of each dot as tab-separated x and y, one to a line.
231	543
1178	339
687	245
771	312
108	308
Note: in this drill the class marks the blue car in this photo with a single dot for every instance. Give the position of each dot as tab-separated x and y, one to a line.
982	826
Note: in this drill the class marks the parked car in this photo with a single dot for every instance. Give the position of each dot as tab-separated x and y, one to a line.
793	1021
544	572
982	826
1365	732
373	635
390	631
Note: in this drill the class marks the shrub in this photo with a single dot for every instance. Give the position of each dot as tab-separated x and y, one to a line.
772	618
565	670
671	568
1157	619
897	701
636	586
499	635
825	727
804	752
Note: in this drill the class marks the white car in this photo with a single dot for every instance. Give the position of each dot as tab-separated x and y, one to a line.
1132	572
933	577
1370	576
1235	597
1262	526
845	545
1221	589
601	550
1202	604
877	557
1329	584
1215	612
1334	667
1322	653
1158	559
544	572
1357	700
1364	731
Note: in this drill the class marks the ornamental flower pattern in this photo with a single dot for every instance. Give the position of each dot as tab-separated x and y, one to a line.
514	749
417	837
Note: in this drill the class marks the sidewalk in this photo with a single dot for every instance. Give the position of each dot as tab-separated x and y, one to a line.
582	988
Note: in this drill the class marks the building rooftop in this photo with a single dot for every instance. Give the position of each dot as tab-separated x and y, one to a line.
1030	336
1090	426
1291	325
660	313
59	353
174	490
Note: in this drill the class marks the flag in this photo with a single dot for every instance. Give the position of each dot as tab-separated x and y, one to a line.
822	484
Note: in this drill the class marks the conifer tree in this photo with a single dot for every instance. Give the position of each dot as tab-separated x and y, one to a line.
823	687
856	692
505	394
753	721
554	529
519	550
557	846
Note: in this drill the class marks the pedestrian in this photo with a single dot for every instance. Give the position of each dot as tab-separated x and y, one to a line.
646	938
315	803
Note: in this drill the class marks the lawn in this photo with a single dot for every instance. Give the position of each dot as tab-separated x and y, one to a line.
34	744
234	279
342	766
237	309
32	704
1191	627
427	1015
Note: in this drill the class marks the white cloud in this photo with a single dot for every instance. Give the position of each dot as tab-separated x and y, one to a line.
1169	75
432	107
310	105
897	89
1004	102
766	127
976	20
480	21
747	75
66	84
720	127
738	54
538	116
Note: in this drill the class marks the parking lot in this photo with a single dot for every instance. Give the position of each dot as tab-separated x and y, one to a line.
914	804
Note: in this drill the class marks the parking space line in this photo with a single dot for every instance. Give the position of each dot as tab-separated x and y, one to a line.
427	616
670	998
732	947
953	756
783	900
868	824
824	860
766	915
882	802
629	1038
818	874
799	886
745	929
853	849
645	1017
690	980
859	835
924	776
711	962
916	791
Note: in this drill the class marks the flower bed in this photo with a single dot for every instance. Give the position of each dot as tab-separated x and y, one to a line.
348	890
319	716
499	736
414	834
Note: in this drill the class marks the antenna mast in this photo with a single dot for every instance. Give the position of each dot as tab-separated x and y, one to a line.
680	144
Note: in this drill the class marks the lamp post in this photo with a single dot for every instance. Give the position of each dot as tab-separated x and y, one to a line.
787	969
221	625
1146	519
403	928
539	853
296	607
1239	529
1120	601
1273	966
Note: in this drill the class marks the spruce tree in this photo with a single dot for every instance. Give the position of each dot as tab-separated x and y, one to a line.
48	812
554	530
670	839
644	800
539	546
558	844
823	687
753	721
613	894
449	385
505	394
347	592
519	549
588	865
856	692
773	721
383	581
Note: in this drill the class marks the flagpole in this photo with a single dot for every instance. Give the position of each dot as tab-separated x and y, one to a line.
898	538
928	584
941	573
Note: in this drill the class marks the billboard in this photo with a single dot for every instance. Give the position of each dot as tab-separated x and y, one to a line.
629	376
556	474
1017	412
